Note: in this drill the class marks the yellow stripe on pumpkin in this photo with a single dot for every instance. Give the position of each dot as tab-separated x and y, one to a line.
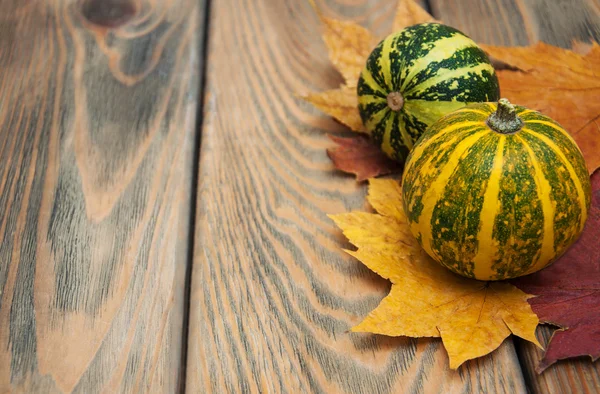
557	128
444	48
387	145
370	81
570	169
385	62
487	248
376	118
421	147
525	112
473	111
543	189
406	138
436	190
445	74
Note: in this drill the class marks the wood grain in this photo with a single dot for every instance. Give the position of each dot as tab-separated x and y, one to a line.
273	295
97	123
521	22
558	23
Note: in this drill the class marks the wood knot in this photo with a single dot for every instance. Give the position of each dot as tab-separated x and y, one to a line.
108	13
395	101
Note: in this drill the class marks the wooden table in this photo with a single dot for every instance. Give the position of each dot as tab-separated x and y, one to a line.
163	194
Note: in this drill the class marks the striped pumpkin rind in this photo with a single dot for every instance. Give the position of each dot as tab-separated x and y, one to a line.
494	206
435	68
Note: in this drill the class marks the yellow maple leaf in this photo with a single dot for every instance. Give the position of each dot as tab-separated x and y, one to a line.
348	43
426	299
349	46
340	103
563	84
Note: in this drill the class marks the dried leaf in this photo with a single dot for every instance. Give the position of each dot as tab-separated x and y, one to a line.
426	299
560	83
360	156
340	103
349	45
410	13
569	293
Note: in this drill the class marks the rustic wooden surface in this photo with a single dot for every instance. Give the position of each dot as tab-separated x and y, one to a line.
273	296
97	123
98	100
521	22
557	22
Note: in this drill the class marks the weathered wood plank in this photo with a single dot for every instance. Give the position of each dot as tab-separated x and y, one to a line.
559	22
273	295
487	21
520	22
97	125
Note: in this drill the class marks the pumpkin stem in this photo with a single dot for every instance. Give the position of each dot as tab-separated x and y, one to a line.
395	101
505	120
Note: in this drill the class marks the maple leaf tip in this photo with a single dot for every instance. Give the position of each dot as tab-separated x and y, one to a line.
455	364
534	341
338	219
542	366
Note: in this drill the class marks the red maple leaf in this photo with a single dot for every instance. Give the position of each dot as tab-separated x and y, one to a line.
360	156
569	293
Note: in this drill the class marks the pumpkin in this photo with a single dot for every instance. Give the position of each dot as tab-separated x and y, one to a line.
496	191
414	77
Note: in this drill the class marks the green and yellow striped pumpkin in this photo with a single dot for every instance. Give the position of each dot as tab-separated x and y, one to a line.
414	77
496	191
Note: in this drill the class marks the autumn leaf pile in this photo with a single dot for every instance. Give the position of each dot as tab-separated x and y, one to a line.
426	300
560	83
